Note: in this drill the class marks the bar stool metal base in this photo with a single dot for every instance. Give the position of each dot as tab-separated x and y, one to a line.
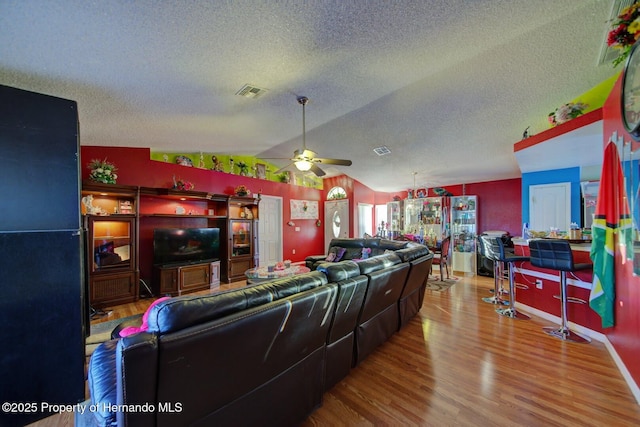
566	334
512	313
495	300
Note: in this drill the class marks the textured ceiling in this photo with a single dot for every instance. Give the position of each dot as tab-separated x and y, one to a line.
449	86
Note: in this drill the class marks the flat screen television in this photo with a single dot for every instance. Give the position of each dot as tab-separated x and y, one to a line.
185	245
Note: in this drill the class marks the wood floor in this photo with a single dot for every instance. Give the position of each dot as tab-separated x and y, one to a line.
458	363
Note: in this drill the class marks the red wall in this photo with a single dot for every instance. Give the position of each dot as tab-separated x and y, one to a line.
625	335
136	168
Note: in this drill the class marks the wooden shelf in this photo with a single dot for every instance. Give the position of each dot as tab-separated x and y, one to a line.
181	216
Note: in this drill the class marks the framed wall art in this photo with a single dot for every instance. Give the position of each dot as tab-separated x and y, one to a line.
304	209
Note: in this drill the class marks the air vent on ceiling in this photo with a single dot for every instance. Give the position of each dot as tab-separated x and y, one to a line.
607	53
382	150
251	91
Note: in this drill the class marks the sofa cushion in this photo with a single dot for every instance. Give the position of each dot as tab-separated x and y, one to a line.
335	254
182	312
336	272
339	253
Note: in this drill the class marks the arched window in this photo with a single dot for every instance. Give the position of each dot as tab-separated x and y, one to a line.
336	193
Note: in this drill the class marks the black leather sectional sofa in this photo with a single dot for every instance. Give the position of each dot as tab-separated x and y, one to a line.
258	355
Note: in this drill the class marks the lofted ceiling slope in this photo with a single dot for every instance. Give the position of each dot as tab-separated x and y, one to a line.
448	86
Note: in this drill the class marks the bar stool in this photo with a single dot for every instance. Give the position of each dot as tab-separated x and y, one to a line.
556	255
484	242
509	259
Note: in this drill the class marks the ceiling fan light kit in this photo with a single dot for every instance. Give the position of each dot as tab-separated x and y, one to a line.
303	165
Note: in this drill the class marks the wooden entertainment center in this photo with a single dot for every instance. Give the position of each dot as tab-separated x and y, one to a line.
178	280
120	221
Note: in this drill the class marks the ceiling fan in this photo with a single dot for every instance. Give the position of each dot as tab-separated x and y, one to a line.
306	160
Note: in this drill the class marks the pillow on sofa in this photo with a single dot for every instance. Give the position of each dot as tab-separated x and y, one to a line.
365	253
130	330
335	254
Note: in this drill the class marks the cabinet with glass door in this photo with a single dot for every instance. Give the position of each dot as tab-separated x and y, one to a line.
242	251
463	233
393	227
434	217
109	217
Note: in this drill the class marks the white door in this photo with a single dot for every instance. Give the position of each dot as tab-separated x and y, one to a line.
270	230
336	220
365	219
550	206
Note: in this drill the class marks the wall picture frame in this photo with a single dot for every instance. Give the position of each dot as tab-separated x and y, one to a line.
261	171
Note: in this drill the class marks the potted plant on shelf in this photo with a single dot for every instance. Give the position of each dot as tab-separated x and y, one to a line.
102	171
566	112
242	191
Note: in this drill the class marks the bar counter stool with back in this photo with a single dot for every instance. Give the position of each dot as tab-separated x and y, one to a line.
510	260
486	249
556	255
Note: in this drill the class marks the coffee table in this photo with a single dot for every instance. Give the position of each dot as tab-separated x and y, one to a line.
262	274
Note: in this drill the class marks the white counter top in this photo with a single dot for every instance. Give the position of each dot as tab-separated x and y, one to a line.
584	247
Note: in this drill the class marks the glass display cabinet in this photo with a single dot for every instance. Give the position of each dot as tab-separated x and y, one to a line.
434	216
463	233
413	216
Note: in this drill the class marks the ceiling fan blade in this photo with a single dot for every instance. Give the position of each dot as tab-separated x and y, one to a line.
340	162
282	169
315	169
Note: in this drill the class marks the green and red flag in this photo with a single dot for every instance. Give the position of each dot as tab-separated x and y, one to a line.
611	226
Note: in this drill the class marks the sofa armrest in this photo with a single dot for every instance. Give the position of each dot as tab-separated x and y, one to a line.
312	260
101	375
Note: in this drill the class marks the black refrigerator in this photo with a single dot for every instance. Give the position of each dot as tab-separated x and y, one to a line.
42	307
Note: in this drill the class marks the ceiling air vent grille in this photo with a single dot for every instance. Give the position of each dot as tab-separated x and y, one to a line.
381	151
251	91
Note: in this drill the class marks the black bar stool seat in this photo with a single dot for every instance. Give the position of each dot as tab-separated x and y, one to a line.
510	259
556	254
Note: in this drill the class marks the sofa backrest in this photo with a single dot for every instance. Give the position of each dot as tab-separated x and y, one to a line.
185	311
218	369
352	286
412	251
379	262
353	247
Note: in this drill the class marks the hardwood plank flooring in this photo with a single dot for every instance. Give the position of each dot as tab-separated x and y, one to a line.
458	363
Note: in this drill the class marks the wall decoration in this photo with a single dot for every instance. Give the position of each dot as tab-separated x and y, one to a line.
304	209
261	171
184	161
